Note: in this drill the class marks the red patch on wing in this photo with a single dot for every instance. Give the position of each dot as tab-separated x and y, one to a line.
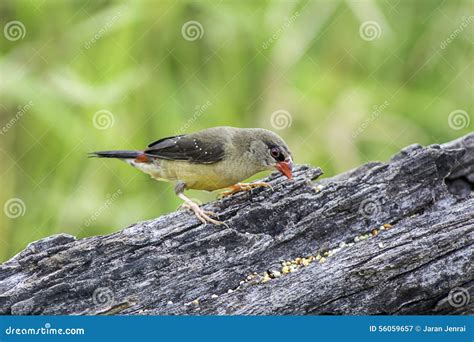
142	158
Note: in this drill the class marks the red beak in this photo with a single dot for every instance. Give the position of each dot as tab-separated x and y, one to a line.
285	168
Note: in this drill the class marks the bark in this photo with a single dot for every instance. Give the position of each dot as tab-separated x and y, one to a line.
384	238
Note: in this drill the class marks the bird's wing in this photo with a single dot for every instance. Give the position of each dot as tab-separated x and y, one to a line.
192	148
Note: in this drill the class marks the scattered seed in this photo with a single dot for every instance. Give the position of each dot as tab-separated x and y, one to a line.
293	265
318	188
275	274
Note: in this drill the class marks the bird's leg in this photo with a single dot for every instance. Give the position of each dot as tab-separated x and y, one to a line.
187	206
202	215
244	187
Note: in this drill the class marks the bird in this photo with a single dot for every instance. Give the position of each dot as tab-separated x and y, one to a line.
211	159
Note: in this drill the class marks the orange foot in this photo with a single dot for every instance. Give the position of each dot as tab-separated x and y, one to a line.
244	187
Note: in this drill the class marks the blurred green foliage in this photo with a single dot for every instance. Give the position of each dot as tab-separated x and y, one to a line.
359	80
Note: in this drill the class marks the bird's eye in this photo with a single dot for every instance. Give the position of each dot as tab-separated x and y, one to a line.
276	153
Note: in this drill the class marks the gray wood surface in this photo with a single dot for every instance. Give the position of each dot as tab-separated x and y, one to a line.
306	246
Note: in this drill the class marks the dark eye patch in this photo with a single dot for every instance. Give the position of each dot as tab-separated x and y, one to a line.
277	154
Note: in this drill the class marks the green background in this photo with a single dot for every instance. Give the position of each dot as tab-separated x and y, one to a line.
356	80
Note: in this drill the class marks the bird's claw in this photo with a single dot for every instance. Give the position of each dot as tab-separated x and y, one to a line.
203	215
244	187
210	213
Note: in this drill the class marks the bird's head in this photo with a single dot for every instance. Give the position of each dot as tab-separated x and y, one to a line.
270	151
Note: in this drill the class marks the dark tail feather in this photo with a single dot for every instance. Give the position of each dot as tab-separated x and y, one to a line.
125	154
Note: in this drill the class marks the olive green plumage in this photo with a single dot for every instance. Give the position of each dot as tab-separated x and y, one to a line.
210	159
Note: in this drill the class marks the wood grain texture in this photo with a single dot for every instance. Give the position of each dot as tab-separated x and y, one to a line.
420	263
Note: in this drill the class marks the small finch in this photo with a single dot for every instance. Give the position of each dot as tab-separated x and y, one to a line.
211	159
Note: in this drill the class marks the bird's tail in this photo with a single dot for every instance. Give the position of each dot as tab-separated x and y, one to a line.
124	154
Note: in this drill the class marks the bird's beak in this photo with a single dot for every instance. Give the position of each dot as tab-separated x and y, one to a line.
285	167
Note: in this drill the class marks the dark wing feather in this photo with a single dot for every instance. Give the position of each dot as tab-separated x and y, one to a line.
187	147
155	143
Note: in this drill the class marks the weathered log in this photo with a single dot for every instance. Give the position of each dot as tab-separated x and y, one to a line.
385	238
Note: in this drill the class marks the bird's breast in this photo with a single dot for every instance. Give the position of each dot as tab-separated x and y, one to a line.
204	176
